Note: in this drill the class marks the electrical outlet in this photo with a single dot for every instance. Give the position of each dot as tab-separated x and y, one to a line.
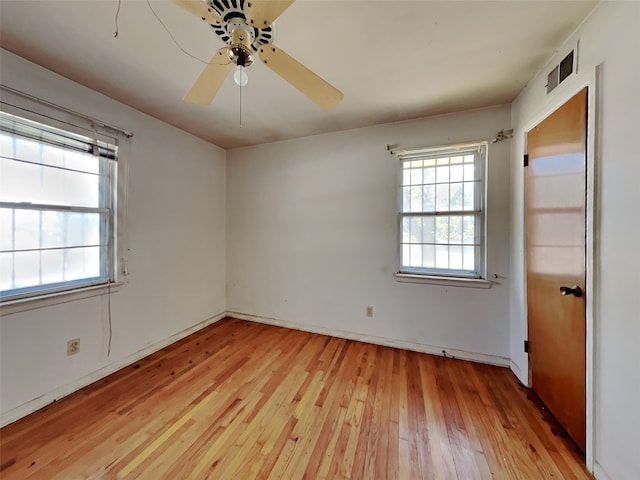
369	311
73	346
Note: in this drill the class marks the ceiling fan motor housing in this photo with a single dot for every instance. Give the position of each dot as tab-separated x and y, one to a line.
234	17
239	50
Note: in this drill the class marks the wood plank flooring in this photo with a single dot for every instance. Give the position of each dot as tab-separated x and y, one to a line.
241	400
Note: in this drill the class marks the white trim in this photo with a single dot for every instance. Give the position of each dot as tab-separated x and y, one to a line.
387	342
517	371
448	281
47	398
560	95
600	473
11	307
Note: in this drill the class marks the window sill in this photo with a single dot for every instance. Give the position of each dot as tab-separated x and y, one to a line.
10	307
447	281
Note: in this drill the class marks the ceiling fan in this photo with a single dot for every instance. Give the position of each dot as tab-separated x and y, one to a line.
246	26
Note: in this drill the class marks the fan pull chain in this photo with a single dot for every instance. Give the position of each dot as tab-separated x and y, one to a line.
240	104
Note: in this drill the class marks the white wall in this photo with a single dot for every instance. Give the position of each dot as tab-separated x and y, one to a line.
176	240
610	38
312	238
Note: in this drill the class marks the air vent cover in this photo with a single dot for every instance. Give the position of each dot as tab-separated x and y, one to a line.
560	72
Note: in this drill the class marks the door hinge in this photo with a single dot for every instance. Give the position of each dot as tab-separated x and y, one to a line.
526	160
526	346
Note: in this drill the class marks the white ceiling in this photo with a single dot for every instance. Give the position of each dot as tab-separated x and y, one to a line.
393	60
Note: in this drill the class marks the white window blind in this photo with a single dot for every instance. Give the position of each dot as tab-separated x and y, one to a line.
57	202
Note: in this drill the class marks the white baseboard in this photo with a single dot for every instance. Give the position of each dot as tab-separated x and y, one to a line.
517	371
600	473
387	342
37	403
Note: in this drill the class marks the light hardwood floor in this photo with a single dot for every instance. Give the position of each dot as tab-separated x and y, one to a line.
243	400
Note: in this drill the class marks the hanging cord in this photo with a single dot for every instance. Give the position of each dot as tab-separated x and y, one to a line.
110	324
115	34
96	153
241	98
172	37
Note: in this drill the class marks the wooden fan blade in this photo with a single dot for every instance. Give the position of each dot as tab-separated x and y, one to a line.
262	13
211	79
199	9
315	88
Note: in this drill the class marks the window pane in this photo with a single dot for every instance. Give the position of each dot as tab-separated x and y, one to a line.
455	230
442	197
82	263
6	145
456	196
27	150
429	175
6	229
405	256
416	256
416	199
455	257
52	156
406	229
428	256
17	181
416	176
27	229
52	266
406	199
81	189
469	230
27	269
469	262
23	182
442	174
442	256
6	271
81	161
429	198
442	230
469	172
416	230
429	230
456	173
469	196
75	229
406	176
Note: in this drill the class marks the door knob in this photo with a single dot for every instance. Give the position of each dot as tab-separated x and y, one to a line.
575	290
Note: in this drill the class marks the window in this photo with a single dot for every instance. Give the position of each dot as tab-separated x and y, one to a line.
57	203
441	216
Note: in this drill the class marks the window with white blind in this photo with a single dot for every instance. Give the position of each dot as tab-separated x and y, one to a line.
57	203
441	214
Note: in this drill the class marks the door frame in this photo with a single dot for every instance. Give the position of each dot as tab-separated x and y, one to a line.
571	88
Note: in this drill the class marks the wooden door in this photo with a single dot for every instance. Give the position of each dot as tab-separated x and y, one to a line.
555	231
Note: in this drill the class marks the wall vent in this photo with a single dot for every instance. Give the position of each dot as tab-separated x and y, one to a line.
560	72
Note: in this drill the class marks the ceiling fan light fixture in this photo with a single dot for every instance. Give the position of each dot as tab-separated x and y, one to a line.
240	76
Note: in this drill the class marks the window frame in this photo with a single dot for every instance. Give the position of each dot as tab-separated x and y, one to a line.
455	277
111	208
